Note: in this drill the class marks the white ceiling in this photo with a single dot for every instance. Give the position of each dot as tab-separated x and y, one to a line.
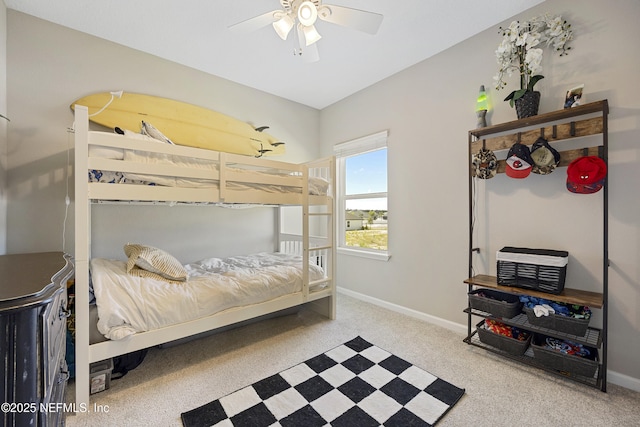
195	33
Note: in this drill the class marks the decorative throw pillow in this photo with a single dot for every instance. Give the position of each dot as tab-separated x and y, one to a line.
152	131
147	261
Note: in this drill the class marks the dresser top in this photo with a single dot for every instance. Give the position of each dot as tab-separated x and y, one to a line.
30	275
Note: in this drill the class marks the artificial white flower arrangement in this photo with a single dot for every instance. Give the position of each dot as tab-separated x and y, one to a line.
521	50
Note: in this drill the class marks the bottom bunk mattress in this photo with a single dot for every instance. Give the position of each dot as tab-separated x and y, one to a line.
129	304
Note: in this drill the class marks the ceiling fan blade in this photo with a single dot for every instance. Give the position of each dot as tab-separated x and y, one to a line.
361	20
257	22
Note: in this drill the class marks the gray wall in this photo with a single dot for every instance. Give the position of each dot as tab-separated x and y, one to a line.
428	110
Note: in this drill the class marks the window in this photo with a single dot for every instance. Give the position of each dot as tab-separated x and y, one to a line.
362	196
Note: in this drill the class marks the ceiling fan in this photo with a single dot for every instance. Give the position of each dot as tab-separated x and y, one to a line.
302	15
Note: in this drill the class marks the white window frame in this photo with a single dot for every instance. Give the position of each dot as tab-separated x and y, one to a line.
343	150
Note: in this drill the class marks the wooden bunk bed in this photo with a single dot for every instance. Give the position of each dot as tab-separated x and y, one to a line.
233	179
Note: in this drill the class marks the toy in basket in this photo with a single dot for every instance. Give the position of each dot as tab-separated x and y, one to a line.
544	270
565	356
562	317
499	304
504	337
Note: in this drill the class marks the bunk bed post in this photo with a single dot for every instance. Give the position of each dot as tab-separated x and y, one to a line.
332	238
222	170
82	245
278	228
305	233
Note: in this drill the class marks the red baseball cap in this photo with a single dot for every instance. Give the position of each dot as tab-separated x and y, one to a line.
519	162
586	175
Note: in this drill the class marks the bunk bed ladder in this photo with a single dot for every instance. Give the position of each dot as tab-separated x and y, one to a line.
315	241
324	253
305	233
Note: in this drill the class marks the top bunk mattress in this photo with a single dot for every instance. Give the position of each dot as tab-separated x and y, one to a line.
245	177
130	304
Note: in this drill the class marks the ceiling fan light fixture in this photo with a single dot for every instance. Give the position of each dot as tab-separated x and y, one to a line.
307	13
311	35
301	17
283	26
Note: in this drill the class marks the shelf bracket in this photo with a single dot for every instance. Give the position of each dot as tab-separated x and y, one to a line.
572	132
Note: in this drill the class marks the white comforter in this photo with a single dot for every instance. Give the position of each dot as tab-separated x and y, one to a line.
129	304
317	186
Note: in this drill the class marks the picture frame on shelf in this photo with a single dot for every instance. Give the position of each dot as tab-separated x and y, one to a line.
574	97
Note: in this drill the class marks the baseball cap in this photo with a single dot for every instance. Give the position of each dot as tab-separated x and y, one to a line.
485	164
585	175
518	161
545	157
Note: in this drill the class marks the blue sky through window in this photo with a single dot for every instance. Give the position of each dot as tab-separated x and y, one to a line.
367	173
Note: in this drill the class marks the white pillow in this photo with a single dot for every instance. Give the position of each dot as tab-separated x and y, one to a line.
147	261
150	130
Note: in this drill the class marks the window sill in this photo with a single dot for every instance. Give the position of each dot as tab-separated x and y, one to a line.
378	255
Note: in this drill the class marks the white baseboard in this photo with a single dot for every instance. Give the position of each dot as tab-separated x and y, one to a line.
455	327
623	380
612	376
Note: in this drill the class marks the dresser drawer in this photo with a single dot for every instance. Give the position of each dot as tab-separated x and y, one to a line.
54	334
55	415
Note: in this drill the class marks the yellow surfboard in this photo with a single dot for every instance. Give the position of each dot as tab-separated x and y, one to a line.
182	123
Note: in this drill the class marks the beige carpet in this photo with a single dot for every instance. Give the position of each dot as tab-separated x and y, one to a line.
498	392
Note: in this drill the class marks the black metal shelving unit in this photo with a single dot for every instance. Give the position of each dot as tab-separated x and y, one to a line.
577	122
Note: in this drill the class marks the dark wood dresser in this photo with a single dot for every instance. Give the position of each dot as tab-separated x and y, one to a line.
33	314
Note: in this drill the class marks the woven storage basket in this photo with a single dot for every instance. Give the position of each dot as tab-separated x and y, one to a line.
544	270
498	304
566	324
504	343
572	364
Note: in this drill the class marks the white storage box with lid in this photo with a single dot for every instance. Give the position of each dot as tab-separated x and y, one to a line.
544	270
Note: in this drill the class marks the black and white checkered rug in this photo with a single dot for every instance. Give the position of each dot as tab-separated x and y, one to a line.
356	384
